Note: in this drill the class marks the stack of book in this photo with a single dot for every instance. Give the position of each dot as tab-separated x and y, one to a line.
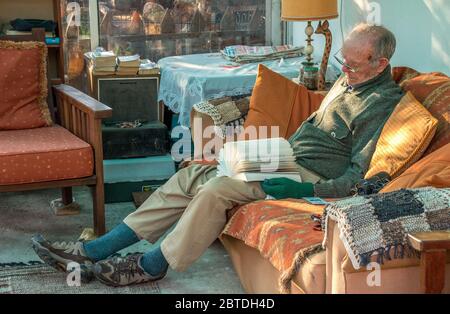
101	62
148	67
257	160
128	65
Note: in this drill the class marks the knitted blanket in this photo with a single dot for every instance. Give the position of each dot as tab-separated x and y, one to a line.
377	225
227	114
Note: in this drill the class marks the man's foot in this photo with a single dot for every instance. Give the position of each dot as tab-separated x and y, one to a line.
59	255
123	271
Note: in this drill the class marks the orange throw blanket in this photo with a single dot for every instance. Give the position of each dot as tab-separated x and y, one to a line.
282	230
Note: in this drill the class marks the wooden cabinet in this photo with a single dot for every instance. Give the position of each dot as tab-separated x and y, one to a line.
140	90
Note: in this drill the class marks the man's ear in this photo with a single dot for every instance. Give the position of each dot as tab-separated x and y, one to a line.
382	64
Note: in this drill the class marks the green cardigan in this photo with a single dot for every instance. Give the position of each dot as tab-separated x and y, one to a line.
338	140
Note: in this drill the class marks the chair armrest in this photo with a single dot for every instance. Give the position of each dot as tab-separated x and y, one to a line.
82	115
81	101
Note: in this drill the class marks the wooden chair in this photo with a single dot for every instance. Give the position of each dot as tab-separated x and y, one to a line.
82	116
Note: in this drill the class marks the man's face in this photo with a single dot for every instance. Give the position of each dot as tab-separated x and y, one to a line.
359	56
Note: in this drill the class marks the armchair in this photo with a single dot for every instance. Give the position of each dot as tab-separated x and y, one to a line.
65	154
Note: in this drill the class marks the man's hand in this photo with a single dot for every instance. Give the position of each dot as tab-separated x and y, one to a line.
287	188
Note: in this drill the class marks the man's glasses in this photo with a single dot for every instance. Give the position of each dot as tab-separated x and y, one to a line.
338	57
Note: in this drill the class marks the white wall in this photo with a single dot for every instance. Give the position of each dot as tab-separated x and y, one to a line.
422	29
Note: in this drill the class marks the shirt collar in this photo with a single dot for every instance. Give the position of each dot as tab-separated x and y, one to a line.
358	88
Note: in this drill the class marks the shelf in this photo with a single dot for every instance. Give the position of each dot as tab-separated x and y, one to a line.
186	35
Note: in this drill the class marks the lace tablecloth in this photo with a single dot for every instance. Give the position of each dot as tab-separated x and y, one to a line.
190	79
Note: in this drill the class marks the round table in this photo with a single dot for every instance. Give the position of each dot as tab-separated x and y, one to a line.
190	79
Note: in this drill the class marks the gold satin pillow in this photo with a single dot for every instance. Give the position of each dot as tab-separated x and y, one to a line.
404	138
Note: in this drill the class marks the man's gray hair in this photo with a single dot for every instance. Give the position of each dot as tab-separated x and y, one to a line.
382	39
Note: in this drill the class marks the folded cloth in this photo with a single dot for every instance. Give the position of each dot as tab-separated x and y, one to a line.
26	25
377	225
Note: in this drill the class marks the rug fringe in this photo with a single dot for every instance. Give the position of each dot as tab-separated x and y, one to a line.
284	282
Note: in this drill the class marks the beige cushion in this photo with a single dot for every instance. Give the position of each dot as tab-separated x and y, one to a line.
404	138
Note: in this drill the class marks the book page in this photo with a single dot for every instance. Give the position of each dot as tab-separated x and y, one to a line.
265	156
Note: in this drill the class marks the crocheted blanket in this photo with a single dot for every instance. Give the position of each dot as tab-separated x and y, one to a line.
282	231
376	226
227	114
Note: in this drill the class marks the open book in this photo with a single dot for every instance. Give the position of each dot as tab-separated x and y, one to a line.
257	160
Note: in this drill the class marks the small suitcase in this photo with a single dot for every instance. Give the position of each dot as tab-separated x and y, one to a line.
149	139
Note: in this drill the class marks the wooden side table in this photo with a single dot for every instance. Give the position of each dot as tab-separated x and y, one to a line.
433	247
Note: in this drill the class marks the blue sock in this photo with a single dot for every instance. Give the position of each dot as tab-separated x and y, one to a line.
154	262
118	238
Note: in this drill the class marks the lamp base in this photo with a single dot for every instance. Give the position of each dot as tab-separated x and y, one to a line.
309	49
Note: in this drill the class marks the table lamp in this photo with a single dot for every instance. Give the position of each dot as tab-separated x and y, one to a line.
312	10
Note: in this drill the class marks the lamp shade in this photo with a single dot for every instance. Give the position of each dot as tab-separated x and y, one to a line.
308	10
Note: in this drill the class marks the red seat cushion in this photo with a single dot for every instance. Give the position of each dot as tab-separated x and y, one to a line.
43	154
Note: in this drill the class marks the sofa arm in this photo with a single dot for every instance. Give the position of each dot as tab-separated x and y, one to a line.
335	257
433	246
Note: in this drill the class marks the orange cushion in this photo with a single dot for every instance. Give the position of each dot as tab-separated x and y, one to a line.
43	154
404	138
432	170
23	85
433	91
278	101
306	102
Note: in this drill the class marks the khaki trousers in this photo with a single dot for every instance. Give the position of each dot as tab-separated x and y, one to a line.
198	200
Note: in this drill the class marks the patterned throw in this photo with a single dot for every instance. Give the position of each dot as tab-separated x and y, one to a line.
377	225
282	231
244	54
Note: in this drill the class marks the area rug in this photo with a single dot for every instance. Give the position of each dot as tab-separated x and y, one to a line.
37	278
